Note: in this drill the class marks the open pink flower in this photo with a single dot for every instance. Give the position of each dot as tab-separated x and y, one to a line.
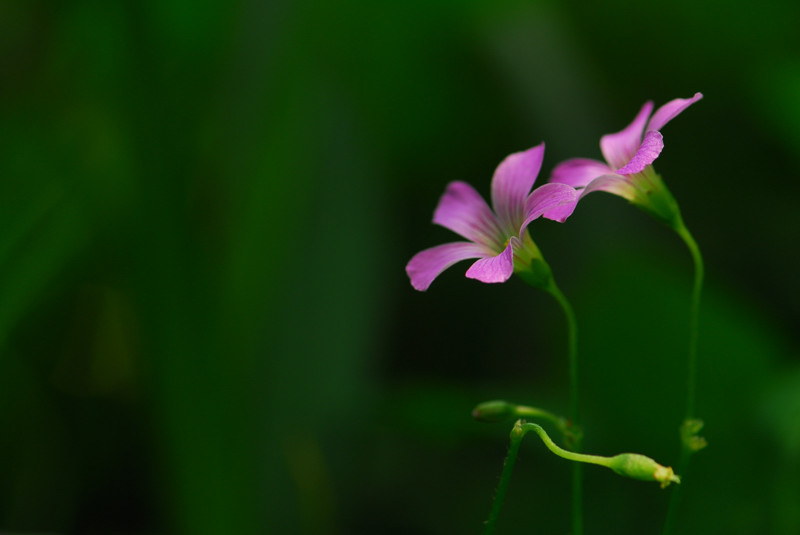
499	237
628	155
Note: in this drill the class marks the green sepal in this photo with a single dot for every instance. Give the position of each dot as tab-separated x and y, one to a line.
530	265
537	273
653	196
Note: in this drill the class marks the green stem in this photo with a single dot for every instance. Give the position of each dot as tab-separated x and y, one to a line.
694	317
572	326
505	477
573	438
689	441
561	452
632	465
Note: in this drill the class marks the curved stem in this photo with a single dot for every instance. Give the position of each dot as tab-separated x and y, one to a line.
517	434
561	452
633	465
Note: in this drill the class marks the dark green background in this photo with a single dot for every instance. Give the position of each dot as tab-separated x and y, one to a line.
206	209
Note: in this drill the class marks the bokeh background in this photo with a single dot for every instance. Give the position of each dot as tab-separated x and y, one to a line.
207	207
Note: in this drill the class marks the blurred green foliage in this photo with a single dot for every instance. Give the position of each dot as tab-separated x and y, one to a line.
206	208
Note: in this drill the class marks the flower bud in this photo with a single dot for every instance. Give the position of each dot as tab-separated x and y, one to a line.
643	468
494	411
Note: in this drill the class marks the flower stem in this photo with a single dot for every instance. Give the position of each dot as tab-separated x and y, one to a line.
690	442
694	317
631	465
574	436
561	452
505	477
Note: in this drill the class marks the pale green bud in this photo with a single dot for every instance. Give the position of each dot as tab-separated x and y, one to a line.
494	411
643	468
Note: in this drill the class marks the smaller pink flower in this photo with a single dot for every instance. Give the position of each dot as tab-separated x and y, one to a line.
497	238
628	155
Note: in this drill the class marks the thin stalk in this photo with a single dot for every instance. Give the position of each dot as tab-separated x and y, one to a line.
561	452
573	438
694	318
572	326
505	477
633	465
689	441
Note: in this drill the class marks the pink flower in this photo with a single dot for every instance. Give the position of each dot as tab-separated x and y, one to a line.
627	171
499	237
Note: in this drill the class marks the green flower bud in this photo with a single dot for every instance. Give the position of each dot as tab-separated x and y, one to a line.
643	468
494	411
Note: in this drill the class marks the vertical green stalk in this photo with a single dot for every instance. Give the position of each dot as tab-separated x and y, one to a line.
505	477
689	441
694	318
573	438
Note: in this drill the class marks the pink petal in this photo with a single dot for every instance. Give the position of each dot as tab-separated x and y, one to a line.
616	184
545	198
670	110
651	147
511	183
561	213
578	172
426	265
494	268
463	210
620	147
